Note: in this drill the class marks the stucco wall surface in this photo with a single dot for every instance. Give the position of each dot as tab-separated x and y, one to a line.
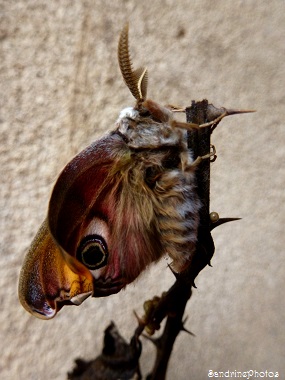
61	88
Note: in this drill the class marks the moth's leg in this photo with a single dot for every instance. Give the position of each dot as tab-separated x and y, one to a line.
183	125
191	126
175	108
211	155
215	121
186	167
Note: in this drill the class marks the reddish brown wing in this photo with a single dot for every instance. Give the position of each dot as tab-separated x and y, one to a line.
47	282
78	191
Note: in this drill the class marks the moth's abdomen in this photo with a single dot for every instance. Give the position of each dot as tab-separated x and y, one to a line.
177	212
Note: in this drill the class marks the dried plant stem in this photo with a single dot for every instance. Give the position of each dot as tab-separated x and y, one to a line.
199	141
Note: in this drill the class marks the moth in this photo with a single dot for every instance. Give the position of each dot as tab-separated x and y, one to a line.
121	204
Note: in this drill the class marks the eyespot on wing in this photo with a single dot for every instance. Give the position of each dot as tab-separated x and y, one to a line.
47	281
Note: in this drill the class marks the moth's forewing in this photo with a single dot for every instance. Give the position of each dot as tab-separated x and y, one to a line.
80	186
48	280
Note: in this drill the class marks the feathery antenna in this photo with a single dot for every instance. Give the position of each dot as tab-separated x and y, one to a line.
136	80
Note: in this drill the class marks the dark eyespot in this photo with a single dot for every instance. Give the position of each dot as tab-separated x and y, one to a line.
93	252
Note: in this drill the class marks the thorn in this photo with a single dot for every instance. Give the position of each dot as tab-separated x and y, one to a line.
236	112
222	221
184	329
217	114
140	320
176	275
194	285
229	112
187	331
210	265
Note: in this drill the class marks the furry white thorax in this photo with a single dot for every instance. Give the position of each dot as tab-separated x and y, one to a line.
129	112
144	132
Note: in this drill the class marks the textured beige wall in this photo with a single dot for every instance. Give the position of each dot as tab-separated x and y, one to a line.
61	89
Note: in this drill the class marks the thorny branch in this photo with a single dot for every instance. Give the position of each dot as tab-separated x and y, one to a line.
120	360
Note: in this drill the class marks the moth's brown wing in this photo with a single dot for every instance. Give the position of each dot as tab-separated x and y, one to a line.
47	281
82	212
77	191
